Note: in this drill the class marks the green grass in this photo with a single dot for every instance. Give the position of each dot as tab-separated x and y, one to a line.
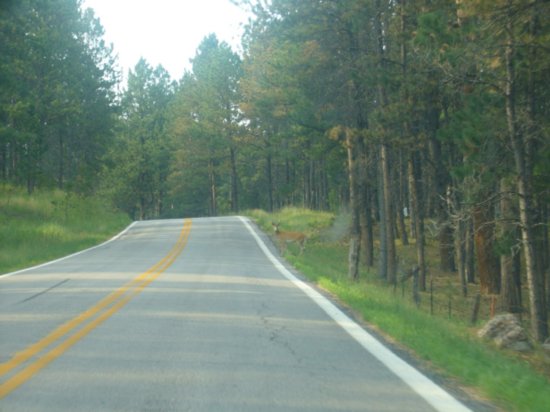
447	345
50	224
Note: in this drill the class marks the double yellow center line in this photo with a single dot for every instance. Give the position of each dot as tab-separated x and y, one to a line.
85	322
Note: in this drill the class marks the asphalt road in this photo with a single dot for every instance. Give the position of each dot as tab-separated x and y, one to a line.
191	315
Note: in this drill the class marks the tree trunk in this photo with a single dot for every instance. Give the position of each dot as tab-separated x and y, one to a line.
213	190
366	221
401	199
382	235
535	278
387	236
355	231
269	175
535	84
440	178
544	246
460	232
469	250
31	168
234	182
365	213
487	261
446	247
523	163
418	217
324	195
61	160
510	293
142	206
388	214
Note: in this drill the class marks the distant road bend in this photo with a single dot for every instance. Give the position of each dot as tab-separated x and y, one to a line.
198	315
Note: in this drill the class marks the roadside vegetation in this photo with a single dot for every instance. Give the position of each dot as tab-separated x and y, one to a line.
50	224
447	344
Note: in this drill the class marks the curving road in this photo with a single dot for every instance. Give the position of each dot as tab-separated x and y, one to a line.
190	315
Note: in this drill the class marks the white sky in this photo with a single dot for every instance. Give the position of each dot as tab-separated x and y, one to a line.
166	32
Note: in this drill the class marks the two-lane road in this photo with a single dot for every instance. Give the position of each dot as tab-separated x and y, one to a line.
190	315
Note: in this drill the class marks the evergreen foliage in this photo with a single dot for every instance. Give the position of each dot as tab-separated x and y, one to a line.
57	81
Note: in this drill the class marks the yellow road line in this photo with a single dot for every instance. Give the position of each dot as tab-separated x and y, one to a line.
62	330
134	287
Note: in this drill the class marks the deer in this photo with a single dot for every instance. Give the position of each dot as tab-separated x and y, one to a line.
284	238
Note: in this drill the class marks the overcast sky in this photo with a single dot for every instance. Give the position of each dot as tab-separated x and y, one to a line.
166	32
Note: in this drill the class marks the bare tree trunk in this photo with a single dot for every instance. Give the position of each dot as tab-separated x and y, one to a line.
31	167
523	162
469	250
365	213
388	214
269	175
544	248
142	200
213	190
382	232
535	279
387	236
234	182
541	239
309	176
440	178
61	168
534	88
460	232
324	196
487	261
510	293
446	247
418	217
401	199
355	231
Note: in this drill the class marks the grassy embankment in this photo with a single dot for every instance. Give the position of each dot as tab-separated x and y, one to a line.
448	345
50	224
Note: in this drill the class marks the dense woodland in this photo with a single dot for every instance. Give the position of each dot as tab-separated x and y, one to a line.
421	117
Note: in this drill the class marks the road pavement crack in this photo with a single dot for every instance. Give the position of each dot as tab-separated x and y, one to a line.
43	292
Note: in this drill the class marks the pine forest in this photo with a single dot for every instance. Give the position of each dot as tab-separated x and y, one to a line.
425	120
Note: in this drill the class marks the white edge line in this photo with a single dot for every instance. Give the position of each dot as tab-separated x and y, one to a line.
7	275
432	393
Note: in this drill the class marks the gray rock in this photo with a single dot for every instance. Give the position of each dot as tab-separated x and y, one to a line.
506	332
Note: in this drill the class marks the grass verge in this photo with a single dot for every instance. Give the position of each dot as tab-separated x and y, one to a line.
448	345
50	224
